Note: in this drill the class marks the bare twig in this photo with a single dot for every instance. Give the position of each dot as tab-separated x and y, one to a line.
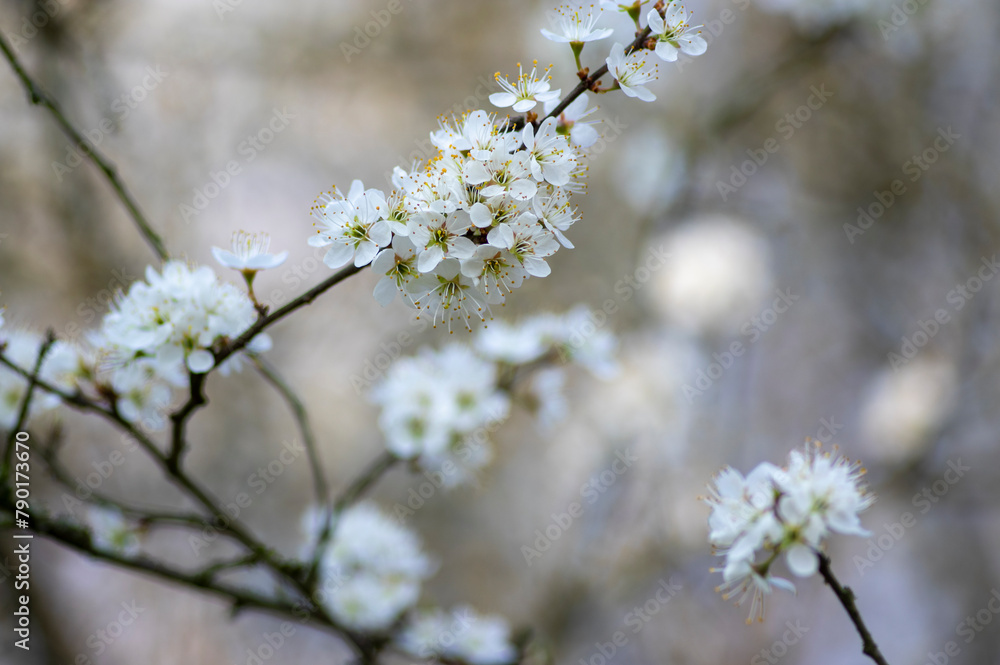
298	410
22	415
38	97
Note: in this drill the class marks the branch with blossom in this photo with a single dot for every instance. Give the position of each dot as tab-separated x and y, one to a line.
455	236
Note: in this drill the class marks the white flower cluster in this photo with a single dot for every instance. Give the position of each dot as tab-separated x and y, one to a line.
151	338
439	407
776	511
460	635
373	569
176	316
672	34
461	231
372	573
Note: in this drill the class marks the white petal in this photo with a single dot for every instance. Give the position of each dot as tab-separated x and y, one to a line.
802	560
502	99
524	105
481	215
667	51
385	291
200	361
365	253
429	259
655	22
338	255
693	44
228	259
553	36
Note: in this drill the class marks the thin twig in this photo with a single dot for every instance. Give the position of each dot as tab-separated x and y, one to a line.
846	598
267	320
22	415
38	97
298	410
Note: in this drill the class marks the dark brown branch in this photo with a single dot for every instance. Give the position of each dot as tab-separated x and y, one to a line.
846	598
38	97
196	399
265	321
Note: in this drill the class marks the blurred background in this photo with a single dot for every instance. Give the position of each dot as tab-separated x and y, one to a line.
796	240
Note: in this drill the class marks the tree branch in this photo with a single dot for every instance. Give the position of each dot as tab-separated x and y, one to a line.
38	97
846	598
22	415
298	410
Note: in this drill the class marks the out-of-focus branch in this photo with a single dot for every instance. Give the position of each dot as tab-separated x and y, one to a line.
38	97
22	415
298	410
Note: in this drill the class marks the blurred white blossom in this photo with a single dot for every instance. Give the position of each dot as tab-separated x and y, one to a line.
373	569
774	511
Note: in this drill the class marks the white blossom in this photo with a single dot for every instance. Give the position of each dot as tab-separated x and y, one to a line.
775	511
460	635
571	121
525	93
436	405
58	368
577	25
249	253
353	226
373	569
632	72
177	316
674	34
